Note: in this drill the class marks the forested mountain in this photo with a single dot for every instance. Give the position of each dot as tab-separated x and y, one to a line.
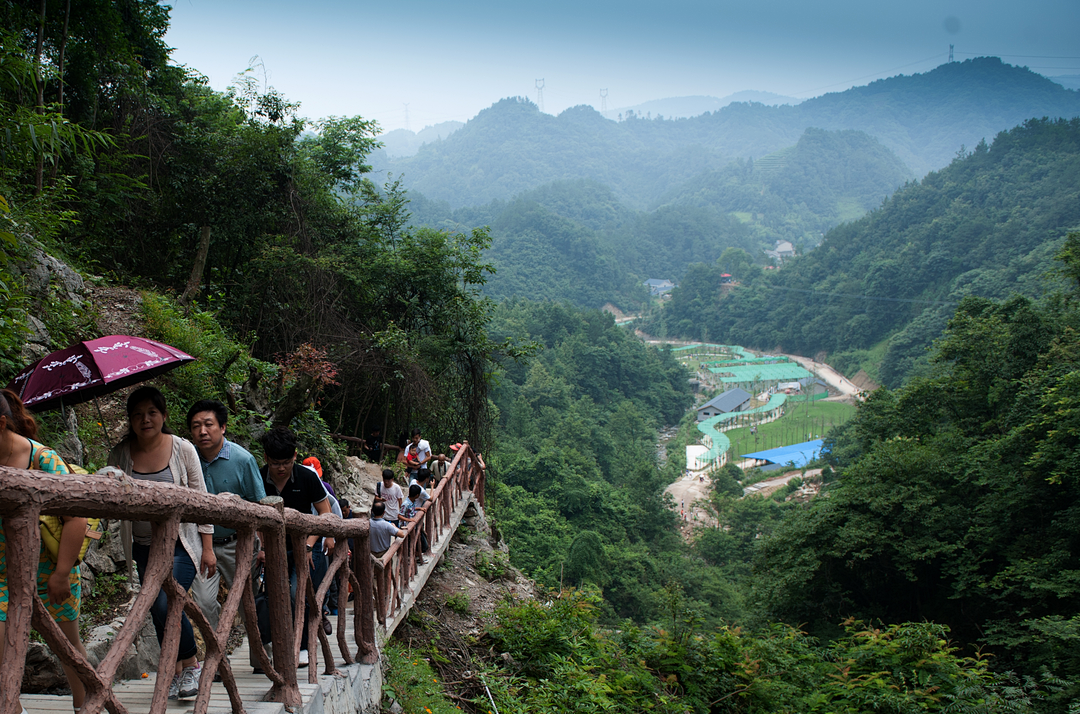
799	192
958	500
924	119
512	147
574	240
986	225
577	477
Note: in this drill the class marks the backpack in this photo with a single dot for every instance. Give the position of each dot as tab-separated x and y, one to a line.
52	527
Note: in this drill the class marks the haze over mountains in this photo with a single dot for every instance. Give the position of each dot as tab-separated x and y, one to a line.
685	107
403	142
924	118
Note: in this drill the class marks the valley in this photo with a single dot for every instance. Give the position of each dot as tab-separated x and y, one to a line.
776	398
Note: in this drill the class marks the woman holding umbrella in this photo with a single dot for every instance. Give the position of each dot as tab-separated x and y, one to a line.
151	452
58	582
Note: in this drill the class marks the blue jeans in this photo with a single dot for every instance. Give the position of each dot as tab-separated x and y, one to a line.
184	572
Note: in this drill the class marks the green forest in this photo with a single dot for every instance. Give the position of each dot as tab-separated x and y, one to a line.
939	570
879	290
575	240
133	169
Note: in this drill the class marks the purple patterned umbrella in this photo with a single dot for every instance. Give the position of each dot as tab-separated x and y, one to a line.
90	369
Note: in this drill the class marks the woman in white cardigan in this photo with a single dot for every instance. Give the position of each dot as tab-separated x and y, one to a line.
151	452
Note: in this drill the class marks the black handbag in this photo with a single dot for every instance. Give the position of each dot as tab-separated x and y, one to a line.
262	608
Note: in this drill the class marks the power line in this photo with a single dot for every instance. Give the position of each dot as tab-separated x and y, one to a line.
859	297
995	54
875	74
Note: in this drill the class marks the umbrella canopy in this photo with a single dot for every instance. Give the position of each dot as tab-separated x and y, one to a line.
93	368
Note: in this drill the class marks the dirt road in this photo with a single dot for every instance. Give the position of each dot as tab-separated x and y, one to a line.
766	487
828	375
687	491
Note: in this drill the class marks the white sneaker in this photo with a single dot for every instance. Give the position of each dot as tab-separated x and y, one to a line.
174	688
303	659
189	682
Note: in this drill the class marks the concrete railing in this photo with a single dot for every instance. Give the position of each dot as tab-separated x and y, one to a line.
464	479
25	495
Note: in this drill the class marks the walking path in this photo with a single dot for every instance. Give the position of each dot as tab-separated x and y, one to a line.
326	696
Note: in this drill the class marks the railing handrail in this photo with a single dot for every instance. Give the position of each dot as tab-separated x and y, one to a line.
81	496
395	568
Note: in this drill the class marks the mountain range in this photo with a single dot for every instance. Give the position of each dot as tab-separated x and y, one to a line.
685	107
924	119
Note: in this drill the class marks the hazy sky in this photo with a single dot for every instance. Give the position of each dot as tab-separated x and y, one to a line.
449	60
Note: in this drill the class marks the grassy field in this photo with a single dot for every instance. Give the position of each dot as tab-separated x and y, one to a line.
799	423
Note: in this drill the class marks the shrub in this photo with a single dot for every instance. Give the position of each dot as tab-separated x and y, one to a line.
458	602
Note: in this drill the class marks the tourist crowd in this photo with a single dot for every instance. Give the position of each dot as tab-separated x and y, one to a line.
205	555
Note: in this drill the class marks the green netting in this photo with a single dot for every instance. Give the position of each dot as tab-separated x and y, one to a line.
803	397
718	440
785	371
735	349
751	360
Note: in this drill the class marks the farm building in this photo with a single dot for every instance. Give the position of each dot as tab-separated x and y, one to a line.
733	400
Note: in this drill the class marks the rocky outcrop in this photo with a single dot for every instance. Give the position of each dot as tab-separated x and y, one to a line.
46	282
356	482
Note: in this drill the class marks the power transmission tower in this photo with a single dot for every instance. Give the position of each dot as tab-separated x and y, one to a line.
950	53
540	94
407	117
603	101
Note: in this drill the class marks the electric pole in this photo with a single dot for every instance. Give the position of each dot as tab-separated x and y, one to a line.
540	94
603	101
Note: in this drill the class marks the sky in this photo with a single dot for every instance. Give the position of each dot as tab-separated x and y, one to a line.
414	63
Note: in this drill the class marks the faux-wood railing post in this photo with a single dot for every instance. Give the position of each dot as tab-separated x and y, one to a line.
22	548
364	600
481	481
277	593
165	533
429	528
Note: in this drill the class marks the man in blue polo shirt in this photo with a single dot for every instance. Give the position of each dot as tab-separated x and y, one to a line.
227	468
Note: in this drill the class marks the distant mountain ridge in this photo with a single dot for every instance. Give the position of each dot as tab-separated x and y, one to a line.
923	118
1069	81
402	142
685	107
